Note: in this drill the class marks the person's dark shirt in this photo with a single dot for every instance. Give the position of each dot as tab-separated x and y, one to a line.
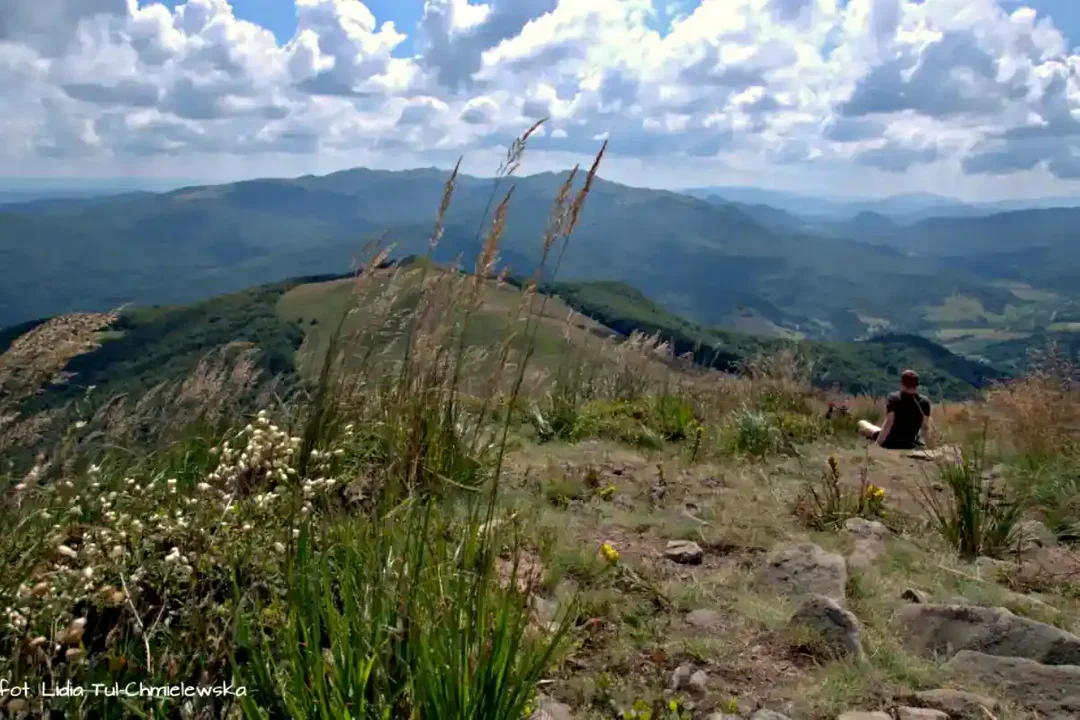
909	411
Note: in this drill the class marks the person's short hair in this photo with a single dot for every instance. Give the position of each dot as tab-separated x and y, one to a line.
909	379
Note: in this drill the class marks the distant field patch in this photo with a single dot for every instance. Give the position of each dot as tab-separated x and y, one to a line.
957	309
1027	293
1064	327
992	334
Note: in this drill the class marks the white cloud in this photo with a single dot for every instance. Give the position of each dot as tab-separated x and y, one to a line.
873	94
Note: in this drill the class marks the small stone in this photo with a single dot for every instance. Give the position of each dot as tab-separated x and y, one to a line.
957	704
805	569
698	683
866	529
548	709
916	596
908	713
680	678
768	715
705	619
723	716
837	631
685	552
860	715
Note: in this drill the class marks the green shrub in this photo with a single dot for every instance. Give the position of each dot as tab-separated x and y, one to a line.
751	433
672	416
969	512
796	428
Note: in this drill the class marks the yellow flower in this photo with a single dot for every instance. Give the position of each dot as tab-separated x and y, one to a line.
608	492
610	553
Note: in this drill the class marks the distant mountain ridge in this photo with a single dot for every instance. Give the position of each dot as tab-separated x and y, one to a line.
735	265
907	208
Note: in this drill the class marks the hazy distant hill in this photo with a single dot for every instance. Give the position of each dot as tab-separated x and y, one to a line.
749	267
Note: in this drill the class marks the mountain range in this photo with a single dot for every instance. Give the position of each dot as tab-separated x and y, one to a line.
906	208
755	268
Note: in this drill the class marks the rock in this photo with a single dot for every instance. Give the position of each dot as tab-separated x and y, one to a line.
864	529
915	596
869	542
1035	534
699	683
548	709
804	569
685	678
1053	690
705	619
723	716
909	713
859	715
947	629
957	704
837	631
681	677
768	715
685	552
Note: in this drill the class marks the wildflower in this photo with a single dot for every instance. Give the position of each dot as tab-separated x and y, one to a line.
20	487
608	492
173	556
279	548
67	552
609	553
203	487
80	424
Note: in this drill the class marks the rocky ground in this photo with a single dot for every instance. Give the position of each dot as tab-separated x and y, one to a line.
723	604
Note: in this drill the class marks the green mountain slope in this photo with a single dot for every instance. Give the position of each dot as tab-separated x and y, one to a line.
288	324
714	264
871	366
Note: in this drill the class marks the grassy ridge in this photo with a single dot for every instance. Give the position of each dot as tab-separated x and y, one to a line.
869	367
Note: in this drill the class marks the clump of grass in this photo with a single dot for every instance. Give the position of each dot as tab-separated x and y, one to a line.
827	502
1054	489
376	626
751	433
969	513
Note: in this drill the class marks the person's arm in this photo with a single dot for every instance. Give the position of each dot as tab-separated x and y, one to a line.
885	429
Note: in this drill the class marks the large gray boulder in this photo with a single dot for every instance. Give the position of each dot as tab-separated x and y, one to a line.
947	629
836	632
1053	690
804	569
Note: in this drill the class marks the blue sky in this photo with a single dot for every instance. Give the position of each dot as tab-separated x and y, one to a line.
279	16
978	99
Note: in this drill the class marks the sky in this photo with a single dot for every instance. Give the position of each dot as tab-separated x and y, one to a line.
976	99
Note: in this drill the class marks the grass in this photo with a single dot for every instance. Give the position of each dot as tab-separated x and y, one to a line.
969	513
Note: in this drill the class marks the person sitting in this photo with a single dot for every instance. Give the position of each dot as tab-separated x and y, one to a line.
905	414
